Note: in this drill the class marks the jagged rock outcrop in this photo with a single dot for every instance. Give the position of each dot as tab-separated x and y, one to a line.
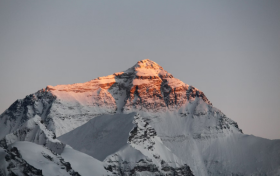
18	166
16	160
21	111
34	131
150	157
142	133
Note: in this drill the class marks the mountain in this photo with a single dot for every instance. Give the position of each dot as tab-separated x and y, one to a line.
141	121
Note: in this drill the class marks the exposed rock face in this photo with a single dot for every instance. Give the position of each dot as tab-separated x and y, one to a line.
142	134
117	166
18	166
34	131
21	111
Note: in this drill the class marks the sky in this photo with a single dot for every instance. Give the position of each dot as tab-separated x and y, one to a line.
228	49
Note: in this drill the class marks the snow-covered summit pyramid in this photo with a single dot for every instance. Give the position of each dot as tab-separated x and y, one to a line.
146	86
138	121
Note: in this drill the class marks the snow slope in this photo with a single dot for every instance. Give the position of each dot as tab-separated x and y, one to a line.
41	158
209	150
84	164
101	136
125	140
26	158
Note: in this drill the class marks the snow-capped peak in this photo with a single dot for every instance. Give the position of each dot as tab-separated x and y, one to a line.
146	86
147	64
147	67
141	121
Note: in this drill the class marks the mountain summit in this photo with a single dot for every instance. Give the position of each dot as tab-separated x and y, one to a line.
146	86
147	64
141	121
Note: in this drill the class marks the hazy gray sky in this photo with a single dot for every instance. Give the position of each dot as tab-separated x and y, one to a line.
228	49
